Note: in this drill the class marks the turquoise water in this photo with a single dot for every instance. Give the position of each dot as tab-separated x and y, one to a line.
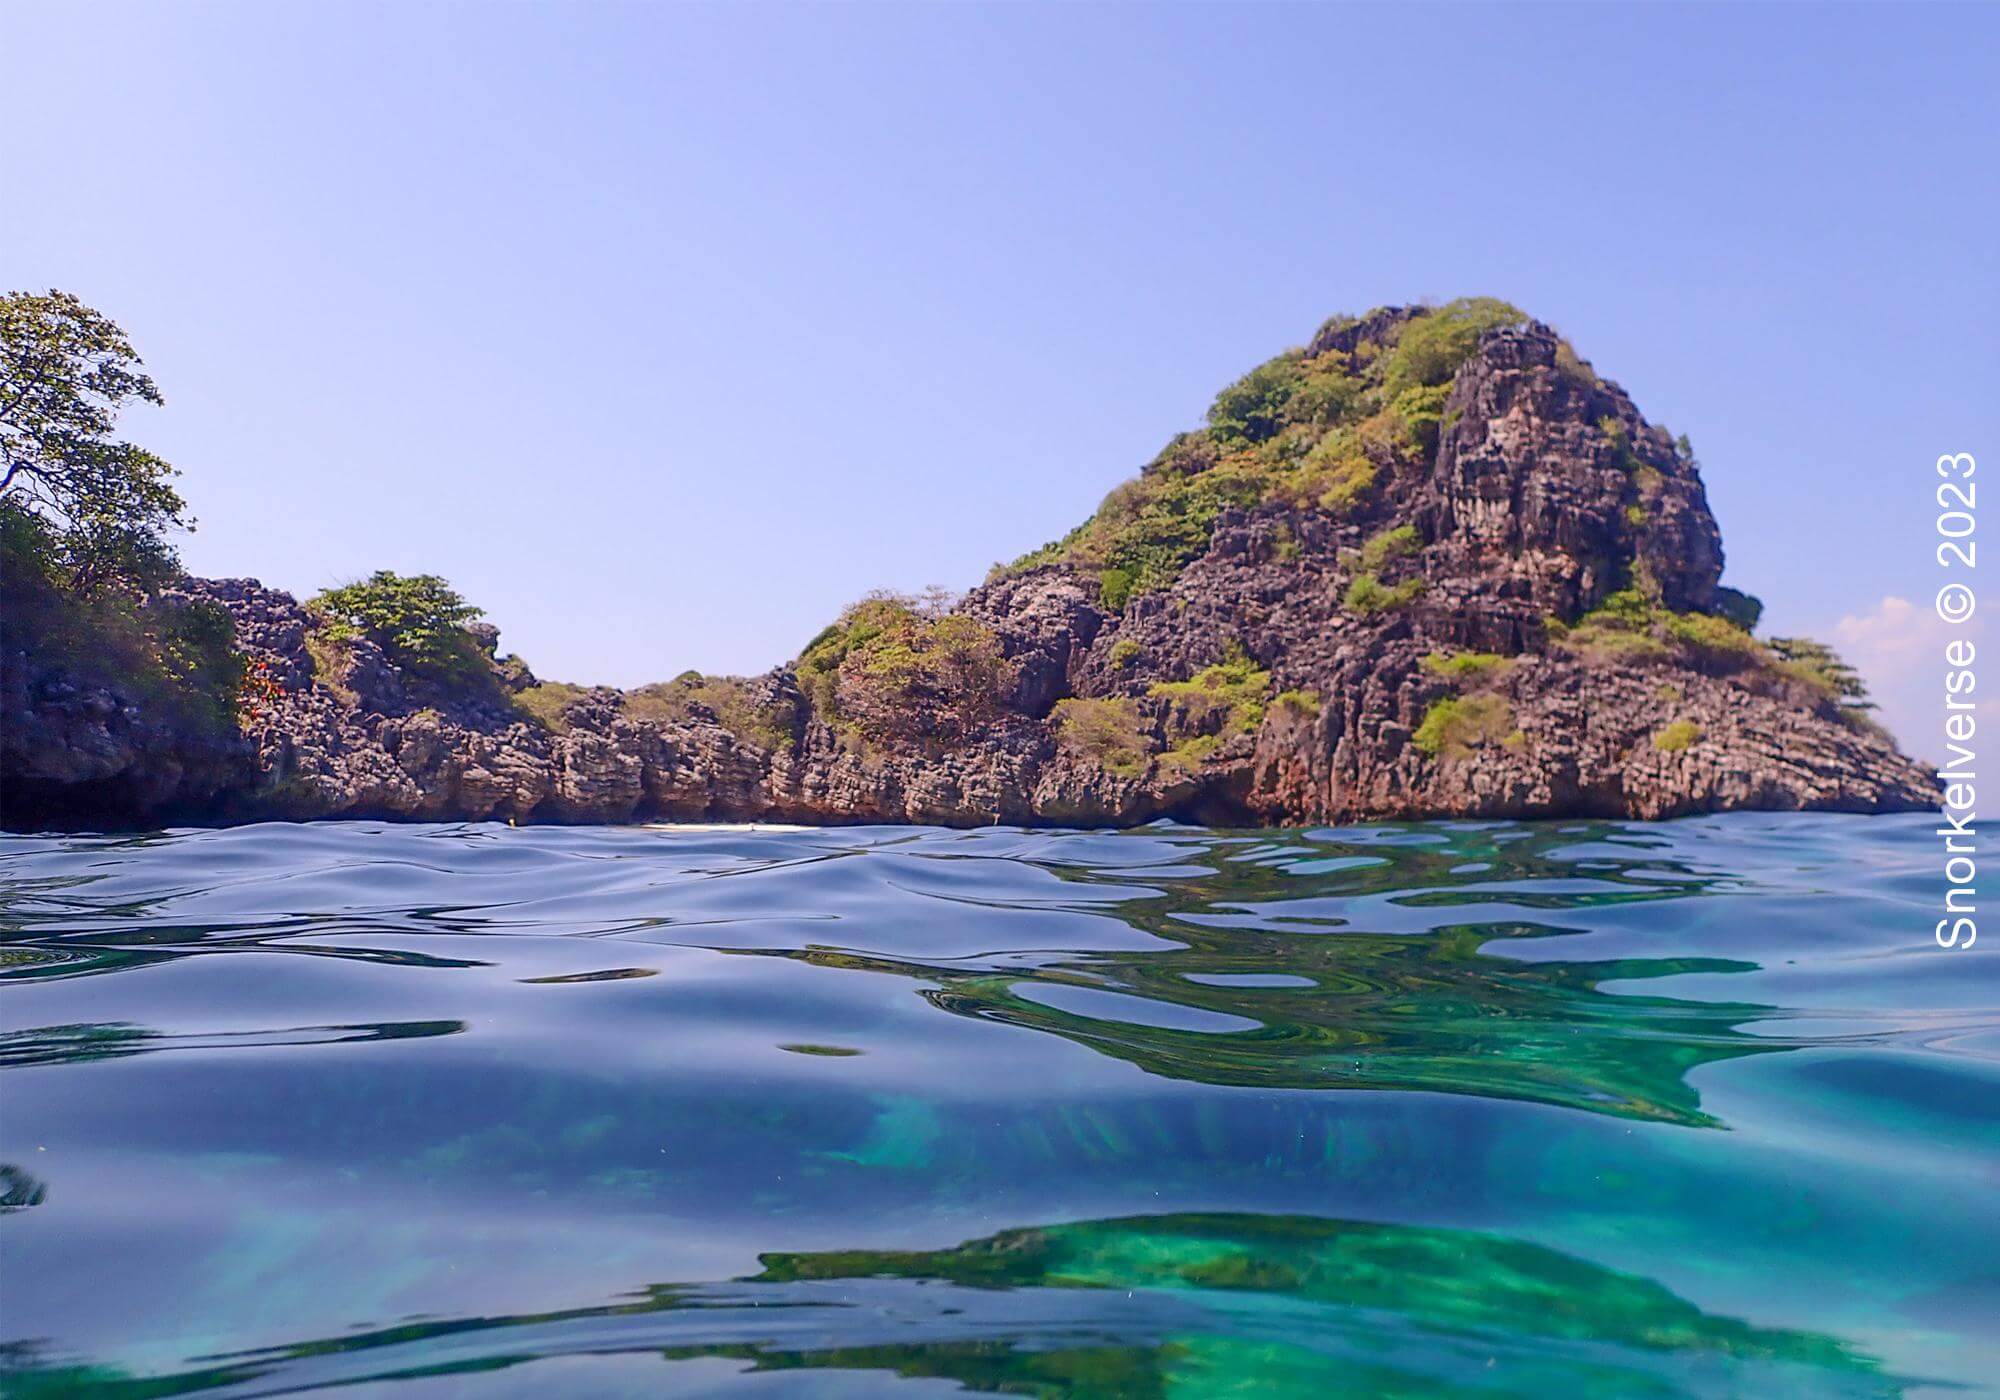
1611	1109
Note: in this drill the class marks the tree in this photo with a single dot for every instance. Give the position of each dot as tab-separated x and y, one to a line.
903	669
1820	666
418	621
66	372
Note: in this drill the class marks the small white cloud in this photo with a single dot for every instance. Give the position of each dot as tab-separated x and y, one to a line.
1898	647
1893	637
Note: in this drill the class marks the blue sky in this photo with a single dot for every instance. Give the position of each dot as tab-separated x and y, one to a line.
664	331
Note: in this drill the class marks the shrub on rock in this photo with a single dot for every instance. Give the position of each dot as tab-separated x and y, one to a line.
1453	728
896	670
730	699
547	703
1677	736
1368	595
1105	732
419	622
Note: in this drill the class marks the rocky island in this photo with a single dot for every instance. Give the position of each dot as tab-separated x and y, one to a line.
1430	564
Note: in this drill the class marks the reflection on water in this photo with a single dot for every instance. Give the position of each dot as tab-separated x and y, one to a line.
55	1045
18	1190
1369	996
1653	1109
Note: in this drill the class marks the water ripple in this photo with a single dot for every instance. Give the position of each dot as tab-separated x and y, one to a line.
1688	1108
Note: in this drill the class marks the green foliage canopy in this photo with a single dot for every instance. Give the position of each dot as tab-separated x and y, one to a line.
1431	348
175	655
66	372
418	621
84	559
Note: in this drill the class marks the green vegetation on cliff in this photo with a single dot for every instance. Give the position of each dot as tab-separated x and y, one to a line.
1466	665
1228	695
1312	432
105	506
901	670
547	701
1677	736
418	621
730	699
1452	728
174	655
86	569
1211	707
1629	623
1368	595
1816	665
1384	547
1105	731
1197	717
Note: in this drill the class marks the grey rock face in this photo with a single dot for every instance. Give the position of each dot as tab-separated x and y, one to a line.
1546	492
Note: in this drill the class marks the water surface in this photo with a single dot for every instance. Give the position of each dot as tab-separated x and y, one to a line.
1609	1109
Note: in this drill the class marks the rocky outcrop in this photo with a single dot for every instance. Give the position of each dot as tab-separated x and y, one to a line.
86	738
78	751
1482	687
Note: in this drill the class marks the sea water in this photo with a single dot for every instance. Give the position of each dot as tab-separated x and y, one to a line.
1546	1108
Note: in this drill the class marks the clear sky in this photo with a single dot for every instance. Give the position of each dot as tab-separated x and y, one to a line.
664	331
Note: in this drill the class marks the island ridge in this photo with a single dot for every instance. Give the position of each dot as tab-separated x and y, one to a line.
1430	564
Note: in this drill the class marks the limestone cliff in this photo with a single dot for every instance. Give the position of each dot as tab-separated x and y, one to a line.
1429	564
